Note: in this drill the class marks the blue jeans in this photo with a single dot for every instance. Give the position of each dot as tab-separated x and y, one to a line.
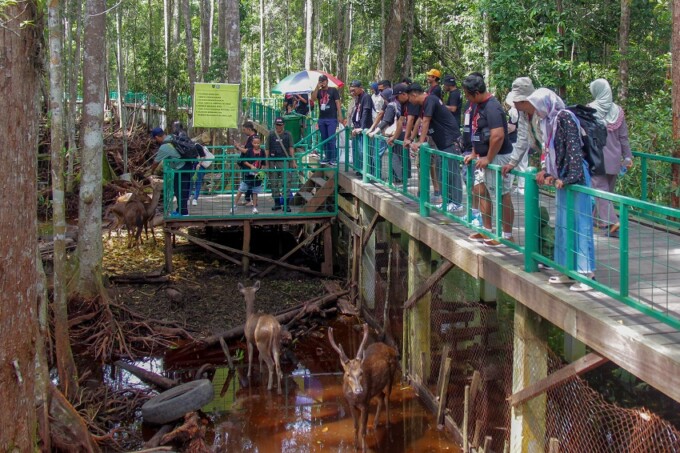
584	244
327	128
181	187
453	192
196	185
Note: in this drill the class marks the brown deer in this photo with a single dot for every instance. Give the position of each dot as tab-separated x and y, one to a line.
134	221
116	213
370	374
264	331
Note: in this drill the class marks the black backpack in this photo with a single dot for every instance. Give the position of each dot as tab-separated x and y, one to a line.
594	135
186	147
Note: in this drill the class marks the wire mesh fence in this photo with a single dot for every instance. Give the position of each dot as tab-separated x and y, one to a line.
479	339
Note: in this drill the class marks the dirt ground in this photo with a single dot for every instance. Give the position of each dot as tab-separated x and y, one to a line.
210	300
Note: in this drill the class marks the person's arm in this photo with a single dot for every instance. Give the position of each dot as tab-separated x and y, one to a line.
378	118
397	131
424	127
495	142
314	94
301	99
339	108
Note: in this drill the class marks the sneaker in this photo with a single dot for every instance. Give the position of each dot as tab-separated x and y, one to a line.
333	163
519	190
492	243
324	161
454	207
477	237
194	202
580	287
175	214
231	211
276	207
254	210
544	267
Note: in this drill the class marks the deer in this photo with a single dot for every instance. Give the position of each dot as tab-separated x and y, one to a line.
264	331
134	221
370	373
124	202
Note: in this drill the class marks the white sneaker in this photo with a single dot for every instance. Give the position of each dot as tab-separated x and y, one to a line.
519	190
255	210
453	207
231	211
194	202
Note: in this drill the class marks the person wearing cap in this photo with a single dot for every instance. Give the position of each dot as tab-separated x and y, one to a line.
361	118
522	88
491	145
183	170
280	157
454	102
378	101
247	128
385	125
441	126
330	115
251	162
433	76
401	160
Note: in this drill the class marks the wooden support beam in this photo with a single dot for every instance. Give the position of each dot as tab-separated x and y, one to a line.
204	244
427	285
309	239
446	350
554	446
327	265
466	417
474	385
348	207
443	392
369	231
245	259
582	365
349	223
487	444
167	237
478	431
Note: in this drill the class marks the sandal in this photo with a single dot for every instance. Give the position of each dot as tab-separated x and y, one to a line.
580	287
558	279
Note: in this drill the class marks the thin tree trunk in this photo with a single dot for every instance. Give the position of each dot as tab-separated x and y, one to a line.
122	111
166	48
233	49
222	24
68	379
262	31
340	15
75	16
392	39
20	85
191	57
309	32
177	24
382	38
90	207
410	27
205	37
675	95
624	32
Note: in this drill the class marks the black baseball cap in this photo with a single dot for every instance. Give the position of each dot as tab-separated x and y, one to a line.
449	80
398	89
278	120
355	84
414	87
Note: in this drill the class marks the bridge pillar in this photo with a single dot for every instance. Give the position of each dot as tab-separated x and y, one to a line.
367	286
530	365
417	319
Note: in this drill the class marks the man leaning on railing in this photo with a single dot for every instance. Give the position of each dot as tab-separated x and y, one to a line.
182	173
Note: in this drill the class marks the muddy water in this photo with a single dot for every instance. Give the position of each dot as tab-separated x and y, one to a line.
310	414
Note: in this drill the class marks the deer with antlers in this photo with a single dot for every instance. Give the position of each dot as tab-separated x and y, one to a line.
370	373
264	331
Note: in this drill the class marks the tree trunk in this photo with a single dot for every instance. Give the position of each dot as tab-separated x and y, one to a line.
392	34
408	54
205	37
191	57
222	24
20	85
74	19
68	380
309	32
262	31
624	32
122	111
42	368
341	14
177	24
675	95
90	207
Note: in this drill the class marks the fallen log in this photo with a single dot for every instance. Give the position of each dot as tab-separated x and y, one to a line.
237	332
155	441
139	279
147	376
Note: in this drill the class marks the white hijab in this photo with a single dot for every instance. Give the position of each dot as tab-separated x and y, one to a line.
547	105
604	101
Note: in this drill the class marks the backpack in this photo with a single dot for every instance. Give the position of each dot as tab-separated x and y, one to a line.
186	147
594	135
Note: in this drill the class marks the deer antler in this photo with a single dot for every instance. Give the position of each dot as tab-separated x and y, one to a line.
360	352
341	353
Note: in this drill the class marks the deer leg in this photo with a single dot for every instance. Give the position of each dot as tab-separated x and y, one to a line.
250	357
377	413
277	353
363	423
355	418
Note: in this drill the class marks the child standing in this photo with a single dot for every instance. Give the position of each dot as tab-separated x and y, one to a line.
251	161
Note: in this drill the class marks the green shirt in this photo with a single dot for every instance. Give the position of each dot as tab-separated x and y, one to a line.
168	151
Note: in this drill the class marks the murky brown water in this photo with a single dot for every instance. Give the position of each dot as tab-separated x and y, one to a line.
311	414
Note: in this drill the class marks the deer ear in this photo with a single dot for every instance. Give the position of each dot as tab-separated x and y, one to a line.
240	287
257	285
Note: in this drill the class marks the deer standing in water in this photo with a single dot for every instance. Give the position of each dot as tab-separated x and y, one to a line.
370	373
264	331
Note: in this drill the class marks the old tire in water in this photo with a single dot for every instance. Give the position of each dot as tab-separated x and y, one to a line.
174	403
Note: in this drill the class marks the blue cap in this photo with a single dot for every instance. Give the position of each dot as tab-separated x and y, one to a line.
157	132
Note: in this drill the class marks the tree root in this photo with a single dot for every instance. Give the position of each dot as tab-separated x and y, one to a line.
191	434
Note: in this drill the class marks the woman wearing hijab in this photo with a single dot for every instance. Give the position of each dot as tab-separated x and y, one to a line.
564	165
616	153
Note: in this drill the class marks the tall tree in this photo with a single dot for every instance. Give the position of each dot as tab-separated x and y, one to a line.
73	39
206	33
262	31
90	206
309	32
66	367
20	41
392	44
675	95
233	42
188	36
624	32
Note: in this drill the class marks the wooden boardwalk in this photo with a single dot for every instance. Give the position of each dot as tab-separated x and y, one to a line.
639	343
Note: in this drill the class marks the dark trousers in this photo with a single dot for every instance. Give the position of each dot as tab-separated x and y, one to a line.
182	183
327	128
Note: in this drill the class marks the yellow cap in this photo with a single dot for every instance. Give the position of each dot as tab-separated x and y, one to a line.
434	72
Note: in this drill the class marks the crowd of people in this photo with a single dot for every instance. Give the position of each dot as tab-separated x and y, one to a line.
533	121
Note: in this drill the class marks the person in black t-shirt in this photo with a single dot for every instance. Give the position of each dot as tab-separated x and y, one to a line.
361	118
251	161
442	127
330	115
301	103
247	128
454	102
401	164
491	145
433	76
280	158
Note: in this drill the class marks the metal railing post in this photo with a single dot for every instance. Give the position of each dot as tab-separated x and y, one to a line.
424	156
623	250
532	218
364	161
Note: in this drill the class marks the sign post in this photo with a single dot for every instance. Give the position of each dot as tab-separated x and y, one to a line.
216	105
